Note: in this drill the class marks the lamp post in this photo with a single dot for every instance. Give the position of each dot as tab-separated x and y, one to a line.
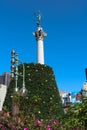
14	68
15	74
23	90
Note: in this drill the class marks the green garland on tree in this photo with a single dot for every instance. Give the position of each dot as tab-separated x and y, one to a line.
42	99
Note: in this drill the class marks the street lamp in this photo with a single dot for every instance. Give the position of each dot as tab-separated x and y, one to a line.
15	74
23	90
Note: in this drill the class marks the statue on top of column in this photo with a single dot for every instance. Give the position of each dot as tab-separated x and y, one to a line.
39	18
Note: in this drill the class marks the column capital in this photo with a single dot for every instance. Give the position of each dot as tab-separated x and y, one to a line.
39	34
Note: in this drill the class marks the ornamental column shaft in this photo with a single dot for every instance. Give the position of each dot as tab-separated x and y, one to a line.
40	52
40	34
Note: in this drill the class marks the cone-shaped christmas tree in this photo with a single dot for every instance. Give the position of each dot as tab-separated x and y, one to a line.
42	99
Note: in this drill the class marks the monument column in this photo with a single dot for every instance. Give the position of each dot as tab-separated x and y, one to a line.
40	34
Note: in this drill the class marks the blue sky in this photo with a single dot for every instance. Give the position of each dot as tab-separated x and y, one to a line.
65	22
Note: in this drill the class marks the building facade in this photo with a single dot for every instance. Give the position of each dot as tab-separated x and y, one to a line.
5	79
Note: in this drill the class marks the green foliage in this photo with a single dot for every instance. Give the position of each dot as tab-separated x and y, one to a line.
42	98
41	102
76	117
26	122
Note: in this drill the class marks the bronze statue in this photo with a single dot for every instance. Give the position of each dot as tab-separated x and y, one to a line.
39	18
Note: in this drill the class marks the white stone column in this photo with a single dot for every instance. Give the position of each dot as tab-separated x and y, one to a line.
40	34
40	52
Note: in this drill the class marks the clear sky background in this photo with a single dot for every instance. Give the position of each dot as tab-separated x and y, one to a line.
65	22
